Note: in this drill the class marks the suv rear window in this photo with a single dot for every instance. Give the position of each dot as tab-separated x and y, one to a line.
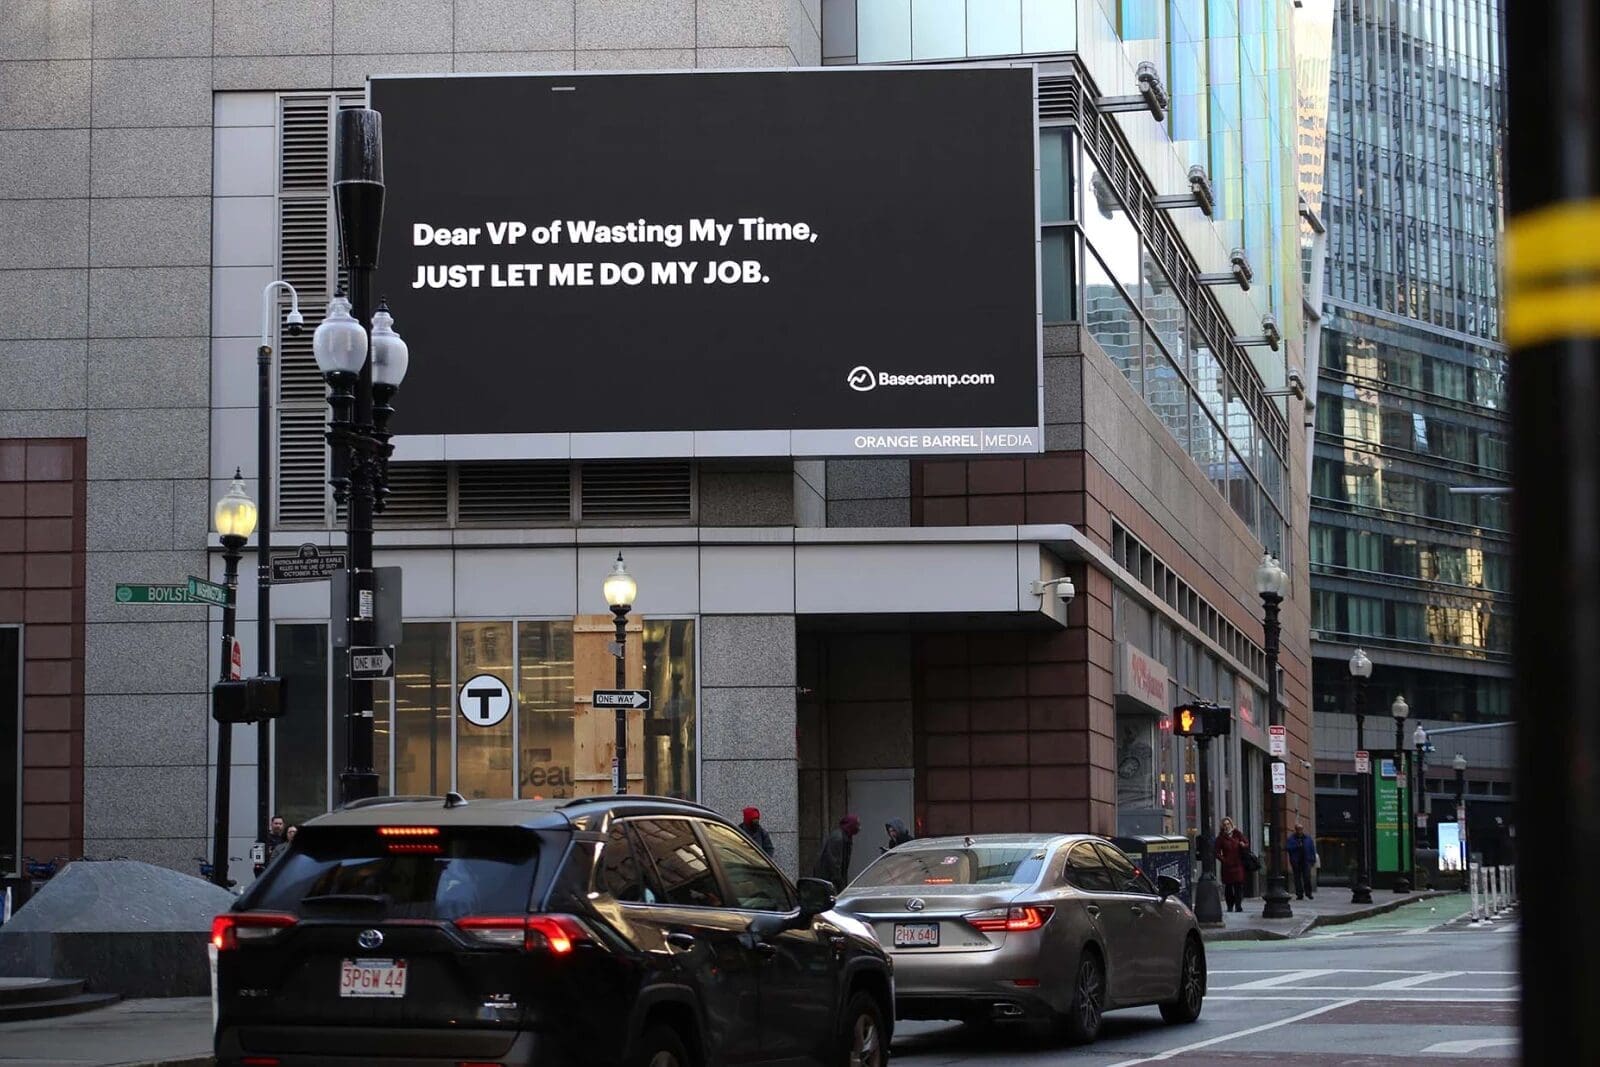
456	872
979	865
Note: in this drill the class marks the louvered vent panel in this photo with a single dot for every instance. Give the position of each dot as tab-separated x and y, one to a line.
304	233
654	490
490	494
1058	98
305	129
302	468
419	495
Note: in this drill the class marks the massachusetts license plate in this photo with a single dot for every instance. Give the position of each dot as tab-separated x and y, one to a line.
372	978
916	935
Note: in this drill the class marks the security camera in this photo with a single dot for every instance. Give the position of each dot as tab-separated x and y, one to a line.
1150	87
295	322
1062	586
1241	268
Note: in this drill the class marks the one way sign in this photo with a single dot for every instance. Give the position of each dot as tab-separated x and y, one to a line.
372	662
637	699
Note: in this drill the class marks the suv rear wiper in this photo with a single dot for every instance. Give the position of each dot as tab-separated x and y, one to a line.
369	900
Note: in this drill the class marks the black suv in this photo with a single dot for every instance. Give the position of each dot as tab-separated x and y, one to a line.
613	930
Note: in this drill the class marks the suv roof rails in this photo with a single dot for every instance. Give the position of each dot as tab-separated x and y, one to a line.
373	802
614	797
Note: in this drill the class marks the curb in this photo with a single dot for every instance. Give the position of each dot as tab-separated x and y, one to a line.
1255	933
183	1061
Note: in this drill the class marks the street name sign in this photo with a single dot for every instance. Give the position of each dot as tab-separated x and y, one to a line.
153	594
307	564
204	592
1278	740
636	699
1280	777
372	662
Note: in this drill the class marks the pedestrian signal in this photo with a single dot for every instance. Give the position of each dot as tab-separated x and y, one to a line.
1202	720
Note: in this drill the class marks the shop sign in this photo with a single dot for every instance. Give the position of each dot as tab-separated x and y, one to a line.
1143	678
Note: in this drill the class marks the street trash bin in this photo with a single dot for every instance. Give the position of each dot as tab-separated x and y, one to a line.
1162	854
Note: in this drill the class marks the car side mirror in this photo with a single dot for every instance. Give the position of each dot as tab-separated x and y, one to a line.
1167	886
816	896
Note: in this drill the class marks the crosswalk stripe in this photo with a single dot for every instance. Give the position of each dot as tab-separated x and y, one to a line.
1418	979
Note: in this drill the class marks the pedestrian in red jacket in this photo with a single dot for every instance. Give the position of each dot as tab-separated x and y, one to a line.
1231	847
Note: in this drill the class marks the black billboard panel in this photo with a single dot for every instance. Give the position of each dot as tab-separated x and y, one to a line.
824	262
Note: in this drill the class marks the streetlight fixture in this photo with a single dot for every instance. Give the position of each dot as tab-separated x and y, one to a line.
235	516
620	591
359	393
1272	582
294	322
1399	710
1361	671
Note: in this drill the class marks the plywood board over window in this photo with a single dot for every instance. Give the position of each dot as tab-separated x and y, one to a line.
594	730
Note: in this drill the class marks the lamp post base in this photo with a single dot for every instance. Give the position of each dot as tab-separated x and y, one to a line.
1361	893
1276	899
1207	901
1402	885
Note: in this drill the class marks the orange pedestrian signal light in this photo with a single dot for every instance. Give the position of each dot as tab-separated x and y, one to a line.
1188	724
1201	720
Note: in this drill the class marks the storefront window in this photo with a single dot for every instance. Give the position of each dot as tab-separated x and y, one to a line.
483	753
545	709
300	736
1136	772
670	727
424	709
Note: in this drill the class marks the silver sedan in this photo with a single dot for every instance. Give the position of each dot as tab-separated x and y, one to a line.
1058	928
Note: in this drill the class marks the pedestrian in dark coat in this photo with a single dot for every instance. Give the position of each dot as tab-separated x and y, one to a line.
1231	847
755	831
833	862
1302	850
899	833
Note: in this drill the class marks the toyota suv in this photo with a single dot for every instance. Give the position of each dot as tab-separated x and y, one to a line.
611	930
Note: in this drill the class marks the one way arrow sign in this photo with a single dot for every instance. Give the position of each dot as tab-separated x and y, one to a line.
637	699
372	662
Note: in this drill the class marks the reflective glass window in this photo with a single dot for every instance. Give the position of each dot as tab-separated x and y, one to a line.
300	736
883	30
938	29
545	707
424	709
483	753
670	726
10	750
681	865
1049	26
994	27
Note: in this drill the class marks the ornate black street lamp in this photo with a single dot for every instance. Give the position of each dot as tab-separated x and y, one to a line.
1399	710
235	516
1360	887
621	591
1272	582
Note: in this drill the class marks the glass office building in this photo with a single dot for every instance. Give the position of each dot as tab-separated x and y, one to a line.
1411	400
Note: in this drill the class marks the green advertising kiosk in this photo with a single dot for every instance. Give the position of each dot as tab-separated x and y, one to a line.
1391	807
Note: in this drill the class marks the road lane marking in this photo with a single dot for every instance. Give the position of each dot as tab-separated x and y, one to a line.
1339	970
1418	979
1283	979
1457	999
1180	1050
1348	989
1472	1044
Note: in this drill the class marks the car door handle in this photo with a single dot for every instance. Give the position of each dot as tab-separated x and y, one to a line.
766	950
1092	909
1136	909
679	939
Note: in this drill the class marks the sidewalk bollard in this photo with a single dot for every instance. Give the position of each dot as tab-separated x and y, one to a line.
1499	901
5	908
1472	890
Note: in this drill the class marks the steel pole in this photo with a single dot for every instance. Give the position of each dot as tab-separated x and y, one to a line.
1276	899
264	581
1402	804
621	614
1361	890
231	547
1207	897
1552	321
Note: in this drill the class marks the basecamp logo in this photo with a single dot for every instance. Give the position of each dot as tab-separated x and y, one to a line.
863	380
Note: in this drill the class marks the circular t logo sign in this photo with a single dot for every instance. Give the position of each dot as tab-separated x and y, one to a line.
484	700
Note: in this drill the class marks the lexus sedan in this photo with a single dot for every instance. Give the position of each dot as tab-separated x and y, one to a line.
619	930
1054	928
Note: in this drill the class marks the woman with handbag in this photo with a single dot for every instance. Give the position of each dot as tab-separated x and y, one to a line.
1231	852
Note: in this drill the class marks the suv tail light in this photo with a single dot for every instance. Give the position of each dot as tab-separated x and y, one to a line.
555	934
1015	920
231	929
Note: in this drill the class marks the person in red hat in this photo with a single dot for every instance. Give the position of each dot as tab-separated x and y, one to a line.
755	831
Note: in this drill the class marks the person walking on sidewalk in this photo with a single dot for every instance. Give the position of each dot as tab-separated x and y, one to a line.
1231	848
833	863
1302	849
755	831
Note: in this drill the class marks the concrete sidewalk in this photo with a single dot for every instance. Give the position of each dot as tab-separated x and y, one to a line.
1330	907
172	1032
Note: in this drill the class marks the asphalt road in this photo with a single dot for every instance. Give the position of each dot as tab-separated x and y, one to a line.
1395	989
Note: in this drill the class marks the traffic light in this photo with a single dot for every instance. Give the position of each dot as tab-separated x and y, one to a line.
1202	720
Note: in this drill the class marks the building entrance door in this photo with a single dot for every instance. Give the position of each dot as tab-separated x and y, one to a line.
877	796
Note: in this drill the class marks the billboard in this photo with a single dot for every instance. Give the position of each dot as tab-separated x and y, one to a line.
822	262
